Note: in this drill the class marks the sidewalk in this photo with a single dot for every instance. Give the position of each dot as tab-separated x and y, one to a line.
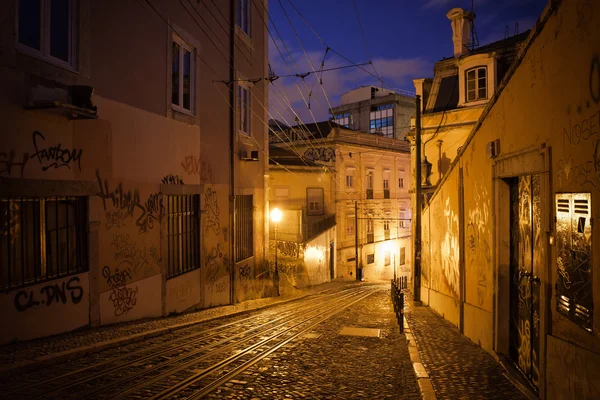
33	354
456	367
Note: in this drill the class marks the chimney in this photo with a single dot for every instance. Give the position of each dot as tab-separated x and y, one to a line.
460	20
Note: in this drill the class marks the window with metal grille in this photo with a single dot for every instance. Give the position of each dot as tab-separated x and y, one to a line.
574	288
314	199
183	234
244	227
42	239
370	258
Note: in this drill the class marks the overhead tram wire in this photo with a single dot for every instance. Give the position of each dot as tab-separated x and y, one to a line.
214	72
180	1
365	41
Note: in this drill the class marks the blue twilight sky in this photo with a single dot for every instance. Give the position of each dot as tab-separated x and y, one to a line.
404	39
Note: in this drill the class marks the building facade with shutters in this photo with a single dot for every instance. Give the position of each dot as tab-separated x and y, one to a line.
357	181
510	235
132	169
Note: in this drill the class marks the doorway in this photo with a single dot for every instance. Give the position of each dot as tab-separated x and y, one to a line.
526	264
331	260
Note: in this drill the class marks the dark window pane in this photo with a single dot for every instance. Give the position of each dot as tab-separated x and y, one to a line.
481	83
481	73
482	93
186	79
471	75
29	23
175	75
59	29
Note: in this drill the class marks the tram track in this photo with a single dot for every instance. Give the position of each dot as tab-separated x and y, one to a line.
173	357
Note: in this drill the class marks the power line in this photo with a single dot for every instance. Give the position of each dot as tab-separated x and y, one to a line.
365	41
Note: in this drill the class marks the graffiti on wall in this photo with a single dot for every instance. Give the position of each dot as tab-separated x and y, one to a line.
182	291
127	203
289	249
55	293
478	251
212	212
450	251
193	166
216	265
122	297
244	277
140	257
53	156
172	179
325	154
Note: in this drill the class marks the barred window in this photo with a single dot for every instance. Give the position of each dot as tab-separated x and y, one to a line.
244	227
183	234
42	239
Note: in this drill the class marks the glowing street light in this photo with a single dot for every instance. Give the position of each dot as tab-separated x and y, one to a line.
276	217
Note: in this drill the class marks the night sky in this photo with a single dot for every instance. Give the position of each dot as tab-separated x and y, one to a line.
404	39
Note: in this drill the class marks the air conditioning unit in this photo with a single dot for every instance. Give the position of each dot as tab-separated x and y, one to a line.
248	155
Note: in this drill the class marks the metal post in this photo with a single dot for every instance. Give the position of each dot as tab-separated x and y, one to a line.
356	238
276	268
417	249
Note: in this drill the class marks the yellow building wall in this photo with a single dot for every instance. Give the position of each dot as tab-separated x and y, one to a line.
551	103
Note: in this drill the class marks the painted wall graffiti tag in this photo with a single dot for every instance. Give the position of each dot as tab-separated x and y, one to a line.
211	205
193	166
320	154
123	298
127	249
128	201
244	277
54	156
580	173
217	265
51	294
290	249
582	130
181	291
11	162
172	179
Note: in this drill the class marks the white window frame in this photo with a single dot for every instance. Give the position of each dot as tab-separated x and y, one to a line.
247	112
317	205
476	70
184	46
245	17
44	52
369	179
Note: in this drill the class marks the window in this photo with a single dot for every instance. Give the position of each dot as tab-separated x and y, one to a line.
476	84
369	184
402	255
182	76
314	200
381	120
349	181
244	227
243	16
370	258
42	239
243	109
401	183
47	29
350	225
386	187
386	225
343	119
183	234
370	233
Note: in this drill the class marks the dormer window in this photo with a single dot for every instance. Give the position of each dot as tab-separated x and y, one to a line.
476	83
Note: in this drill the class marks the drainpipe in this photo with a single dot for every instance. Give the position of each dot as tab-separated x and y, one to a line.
417	249
232	154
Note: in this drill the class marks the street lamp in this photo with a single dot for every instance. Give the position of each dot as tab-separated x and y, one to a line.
276	217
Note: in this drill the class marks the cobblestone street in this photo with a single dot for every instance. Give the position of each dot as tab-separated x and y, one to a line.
323	362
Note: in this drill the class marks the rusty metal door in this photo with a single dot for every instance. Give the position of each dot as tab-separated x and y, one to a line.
526	247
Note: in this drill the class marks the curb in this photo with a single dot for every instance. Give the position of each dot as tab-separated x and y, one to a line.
58	357
425	387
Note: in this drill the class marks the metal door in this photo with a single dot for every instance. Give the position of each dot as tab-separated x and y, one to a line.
331	260
526	248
